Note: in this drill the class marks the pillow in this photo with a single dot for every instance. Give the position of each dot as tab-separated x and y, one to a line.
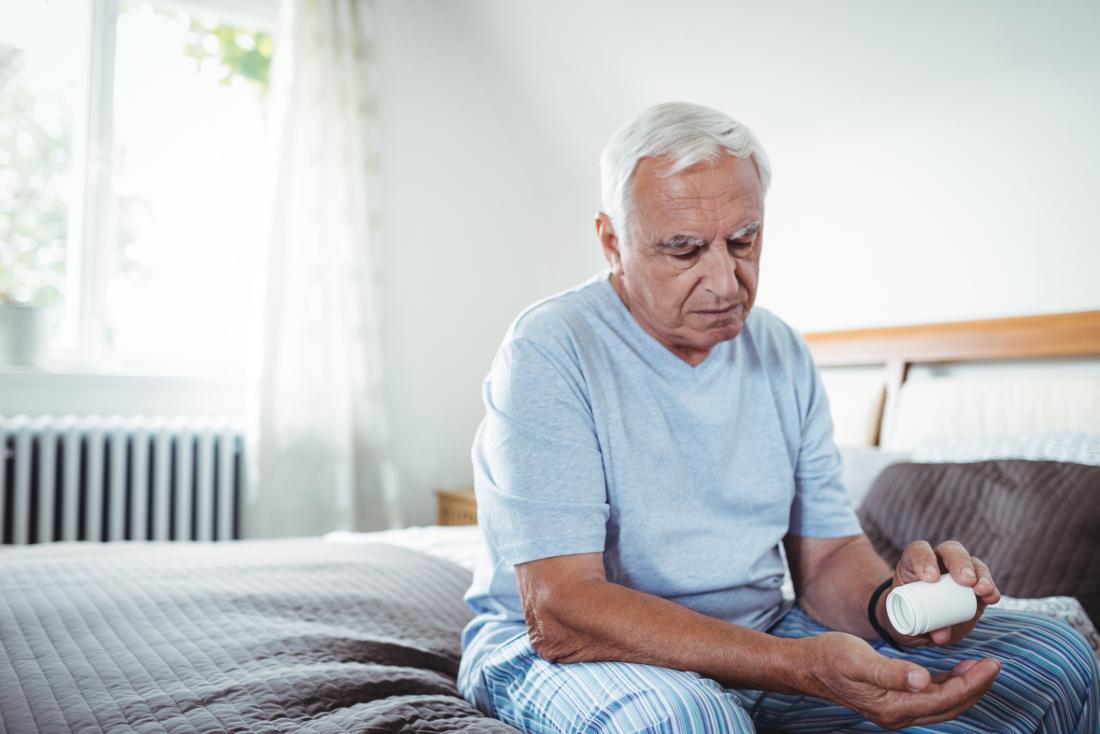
971	406
855	404
861	465
1036	524
1075	446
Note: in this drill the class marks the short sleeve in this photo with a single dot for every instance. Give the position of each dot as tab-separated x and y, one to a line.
539	478
821	507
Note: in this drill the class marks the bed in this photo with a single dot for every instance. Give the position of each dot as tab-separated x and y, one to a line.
258	635
360	631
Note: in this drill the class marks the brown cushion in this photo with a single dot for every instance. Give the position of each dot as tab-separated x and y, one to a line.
1036	524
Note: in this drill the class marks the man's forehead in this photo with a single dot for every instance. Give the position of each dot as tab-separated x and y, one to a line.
710	200
727	182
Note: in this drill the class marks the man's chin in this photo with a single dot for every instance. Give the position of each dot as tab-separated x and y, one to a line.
730	331
717	333
722	327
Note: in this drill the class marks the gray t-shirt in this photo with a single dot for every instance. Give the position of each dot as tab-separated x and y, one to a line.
597	438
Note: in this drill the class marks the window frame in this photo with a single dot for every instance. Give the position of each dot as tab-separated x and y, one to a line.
89	248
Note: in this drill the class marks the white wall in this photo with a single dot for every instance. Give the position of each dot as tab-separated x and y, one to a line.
932	161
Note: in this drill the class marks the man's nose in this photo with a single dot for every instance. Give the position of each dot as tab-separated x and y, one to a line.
720	274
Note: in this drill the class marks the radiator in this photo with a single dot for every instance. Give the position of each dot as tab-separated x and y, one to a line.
119	478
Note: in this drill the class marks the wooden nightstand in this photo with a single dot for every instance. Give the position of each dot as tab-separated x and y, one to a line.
456	507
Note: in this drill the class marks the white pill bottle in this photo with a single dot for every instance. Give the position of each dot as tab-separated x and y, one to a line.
921	606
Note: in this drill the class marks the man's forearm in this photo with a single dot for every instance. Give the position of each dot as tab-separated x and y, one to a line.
603	621
837	594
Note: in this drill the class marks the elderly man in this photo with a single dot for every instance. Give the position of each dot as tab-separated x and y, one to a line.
650	440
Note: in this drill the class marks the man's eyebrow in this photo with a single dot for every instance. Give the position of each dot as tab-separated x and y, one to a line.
749	229
680	241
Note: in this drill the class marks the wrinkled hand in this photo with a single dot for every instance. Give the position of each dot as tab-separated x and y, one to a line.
892	693
920	563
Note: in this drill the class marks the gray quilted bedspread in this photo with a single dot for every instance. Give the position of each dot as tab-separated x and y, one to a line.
252	636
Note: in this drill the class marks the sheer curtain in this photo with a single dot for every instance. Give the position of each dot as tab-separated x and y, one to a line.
317	431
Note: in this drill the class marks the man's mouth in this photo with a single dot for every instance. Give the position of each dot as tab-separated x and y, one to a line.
719	311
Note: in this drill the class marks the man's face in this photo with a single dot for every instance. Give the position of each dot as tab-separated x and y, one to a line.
688	266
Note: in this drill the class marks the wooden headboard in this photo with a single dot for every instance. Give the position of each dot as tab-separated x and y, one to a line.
897	348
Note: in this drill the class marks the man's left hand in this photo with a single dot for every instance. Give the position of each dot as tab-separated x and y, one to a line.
919	562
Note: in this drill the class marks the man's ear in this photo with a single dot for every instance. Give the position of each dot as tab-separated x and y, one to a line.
609	242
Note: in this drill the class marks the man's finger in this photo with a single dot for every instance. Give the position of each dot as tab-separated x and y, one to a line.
982	672
963	665
898	675
986	588
960	668
956	559
976	678
941	636
918	563
953	696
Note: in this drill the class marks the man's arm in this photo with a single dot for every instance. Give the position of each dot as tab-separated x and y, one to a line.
574	614
834	579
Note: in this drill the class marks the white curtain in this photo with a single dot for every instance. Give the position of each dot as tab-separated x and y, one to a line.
318	434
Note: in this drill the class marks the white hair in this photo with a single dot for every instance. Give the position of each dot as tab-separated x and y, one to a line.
684	132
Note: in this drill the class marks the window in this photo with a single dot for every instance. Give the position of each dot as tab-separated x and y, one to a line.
42	81
134	177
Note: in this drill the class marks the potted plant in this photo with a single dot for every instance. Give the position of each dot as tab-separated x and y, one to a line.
23	325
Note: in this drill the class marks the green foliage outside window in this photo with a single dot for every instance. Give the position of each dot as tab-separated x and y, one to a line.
241	54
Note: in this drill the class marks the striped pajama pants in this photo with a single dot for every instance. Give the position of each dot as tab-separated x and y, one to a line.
1048	683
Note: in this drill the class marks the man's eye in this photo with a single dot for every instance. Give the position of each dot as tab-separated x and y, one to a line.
689	255
740	245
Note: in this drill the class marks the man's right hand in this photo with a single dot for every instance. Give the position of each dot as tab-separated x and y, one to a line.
892	693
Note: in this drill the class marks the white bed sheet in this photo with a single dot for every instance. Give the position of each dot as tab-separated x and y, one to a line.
461	544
